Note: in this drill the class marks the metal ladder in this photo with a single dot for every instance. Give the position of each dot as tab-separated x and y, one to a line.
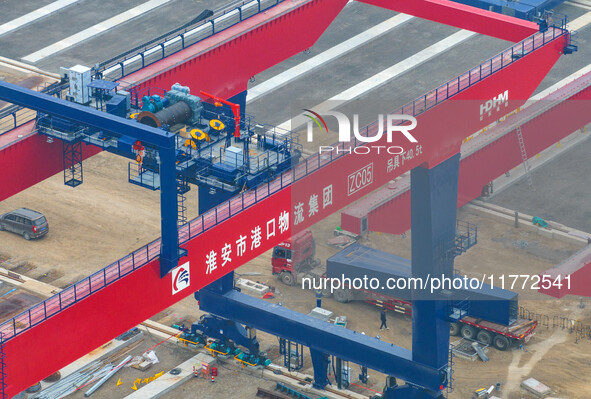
73	175
182	188
450	372
524	157
289	354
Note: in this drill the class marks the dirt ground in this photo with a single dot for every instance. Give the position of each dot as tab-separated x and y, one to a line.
92	225
106	217
14	299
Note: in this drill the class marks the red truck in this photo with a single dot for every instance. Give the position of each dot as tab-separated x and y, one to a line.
490	318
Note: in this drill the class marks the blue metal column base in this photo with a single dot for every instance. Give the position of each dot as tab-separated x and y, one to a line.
434	196
219	286
320	364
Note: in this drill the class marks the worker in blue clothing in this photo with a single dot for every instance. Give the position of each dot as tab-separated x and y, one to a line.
383	319
318	298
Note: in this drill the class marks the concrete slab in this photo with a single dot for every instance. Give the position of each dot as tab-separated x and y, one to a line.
93	30
28	283
168	382
536	387
382	77
96	355
339	50
322	314
252	287
35	15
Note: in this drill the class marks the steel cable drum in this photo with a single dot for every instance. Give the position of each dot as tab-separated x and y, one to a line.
172	115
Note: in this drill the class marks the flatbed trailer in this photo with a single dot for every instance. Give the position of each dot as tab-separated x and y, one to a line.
490	317
486	332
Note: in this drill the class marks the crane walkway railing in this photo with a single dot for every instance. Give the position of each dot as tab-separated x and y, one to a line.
182	37
150	52
82	289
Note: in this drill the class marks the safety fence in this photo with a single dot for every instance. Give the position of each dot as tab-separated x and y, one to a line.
245	200
577	327
2	368
183	37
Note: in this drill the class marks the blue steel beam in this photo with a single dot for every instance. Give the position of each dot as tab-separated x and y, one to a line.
320	336
164	141
85	115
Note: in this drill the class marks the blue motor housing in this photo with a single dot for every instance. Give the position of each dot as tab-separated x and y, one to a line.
154	103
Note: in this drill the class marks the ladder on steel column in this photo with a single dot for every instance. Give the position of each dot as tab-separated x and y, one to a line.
524	157
450	372
2	368
73	175
182	187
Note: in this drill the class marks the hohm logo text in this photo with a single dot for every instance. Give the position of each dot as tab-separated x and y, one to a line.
496	102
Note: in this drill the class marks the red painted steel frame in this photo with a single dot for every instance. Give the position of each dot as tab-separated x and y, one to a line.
439	130
27	160
89	323
462	16
477	169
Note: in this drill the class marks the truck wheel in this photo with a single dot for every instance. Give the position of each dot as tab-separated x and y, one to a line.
326	293
468	331
27	236
484	337
454	329
341	296
501	343
287	278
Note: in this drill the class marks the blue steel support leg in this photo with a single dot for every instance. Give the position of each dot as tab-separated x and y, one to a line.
434	197
220	286
320	363
169	253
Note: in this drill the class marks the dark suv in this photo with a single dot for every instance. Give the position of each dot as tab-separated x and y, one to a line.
26	222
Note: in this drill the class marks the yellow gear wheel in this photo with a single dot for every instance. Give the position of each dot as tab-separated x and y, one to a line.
216	124
190	143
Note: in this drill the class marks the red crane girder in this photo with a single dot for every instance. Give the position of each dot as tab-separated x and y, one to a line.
223	63
463	16
388	209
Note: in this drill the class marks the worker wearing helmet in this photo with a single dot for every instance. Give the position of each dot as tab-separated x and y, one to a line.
318	298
